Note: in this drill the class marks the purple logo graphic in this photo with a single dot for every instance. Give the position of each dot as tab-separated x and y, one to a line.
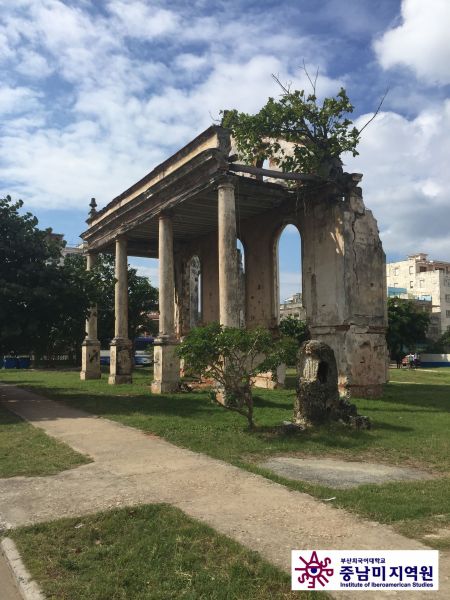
314	570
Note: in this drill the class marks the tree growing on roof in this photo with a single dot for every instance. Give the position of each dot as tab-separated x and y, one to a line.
318	132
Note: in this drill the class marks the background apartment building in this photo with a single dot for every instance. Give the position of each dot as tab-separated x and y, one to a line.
293	306
425	280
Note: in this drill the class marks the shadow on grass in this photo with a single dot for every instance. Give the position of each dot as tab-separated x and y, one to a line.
103	404
8	418
390	426
420	395
261	402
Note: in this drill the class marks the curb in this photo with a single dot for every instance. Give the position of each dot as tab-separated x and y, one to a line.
28	589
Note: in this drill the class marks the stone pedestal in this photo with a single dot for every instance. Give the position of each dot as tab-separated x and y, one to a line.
90	348
90	360
268	382
318	399
121	361
166	368
166	362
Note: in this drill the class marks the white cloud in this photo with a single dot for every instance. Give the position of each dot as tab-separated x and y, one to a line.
17	100
33	65
406	179
123	112
143	20
421	42
150	270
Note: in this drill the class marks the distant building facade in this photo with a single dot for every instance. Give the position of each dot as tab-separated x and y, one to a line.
66	250
425	281
293	306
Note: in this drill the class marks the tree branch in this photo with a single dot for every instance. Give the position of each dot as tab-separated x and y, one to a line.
283	87
376	112
313	83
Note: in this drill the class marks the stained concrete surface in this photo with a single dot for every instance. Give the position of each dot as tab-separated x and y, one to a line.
340	473
8	587
131	467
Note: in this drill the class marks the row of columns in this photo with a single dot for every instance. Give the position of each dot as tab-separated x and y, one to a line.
166	362
121	360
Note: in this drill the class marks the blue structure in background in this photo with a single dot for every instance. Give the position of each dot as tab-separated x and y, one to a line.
143	356
396	291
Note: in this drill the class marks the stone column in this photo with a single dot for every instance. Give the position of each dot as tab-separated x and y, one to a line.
166	362
90	349
228	276
121	359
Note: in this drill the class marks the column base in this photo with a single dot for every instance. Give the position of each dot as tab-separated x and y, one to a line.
120	361
118	379
90	360
166	368
268	382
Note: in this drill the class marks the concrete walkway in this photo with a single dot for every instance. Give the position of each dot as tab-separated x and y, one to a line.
8	587
131	467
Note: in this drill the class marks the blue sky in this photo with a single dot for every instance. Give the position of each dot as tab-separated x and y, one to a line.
94	94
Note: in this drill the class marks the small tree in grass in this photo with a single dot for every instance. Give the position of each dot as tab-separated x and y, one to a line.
232	357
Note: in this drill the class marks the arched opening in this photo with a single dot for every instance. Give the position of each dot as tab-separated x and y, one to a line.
322	372
241	281
195	292
288	268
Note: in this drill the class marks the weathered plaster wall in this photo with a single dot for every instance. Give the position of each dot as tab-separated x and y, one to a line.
344	289
343	276
206	249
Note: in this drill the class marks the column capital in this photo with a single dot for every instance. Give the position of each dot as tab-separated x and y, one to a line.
226	182
166	214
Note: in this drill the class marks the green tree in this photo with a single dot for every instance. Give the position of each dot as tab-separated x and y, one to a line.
142	299
442	345
73	291
31	281
231	357
44	302
407	325
319	132
295	332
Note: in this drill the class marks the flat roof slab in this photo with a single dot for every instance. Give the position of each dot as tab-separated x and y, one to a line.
340	473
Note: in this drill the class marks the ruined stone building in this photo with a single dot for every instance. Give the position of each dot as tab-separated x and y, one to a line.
194	210
419	278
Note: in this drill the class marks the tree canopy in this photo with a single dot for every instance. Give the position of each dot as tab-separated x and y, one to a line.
407	325
34	289
319	132
142	299
44	301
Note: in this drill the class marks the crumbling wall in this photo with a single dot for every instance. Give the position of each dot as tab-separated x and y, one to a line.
343	280
344	288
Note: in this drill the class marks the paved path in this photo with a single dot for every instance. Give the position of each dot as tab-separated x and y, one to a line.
131	467
8	587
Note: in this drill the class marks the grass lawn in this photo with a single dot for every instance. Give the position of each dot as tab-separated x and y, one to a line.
26	450
410	427
153	552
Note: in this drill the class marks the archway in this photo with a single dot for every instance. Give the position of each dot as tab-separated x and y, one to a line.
195	292
241	281
288	268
